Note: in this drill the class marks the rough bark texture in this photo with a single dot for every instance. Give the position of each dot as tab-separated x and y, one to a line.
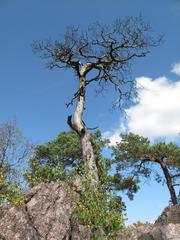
79	126
169	182
88	156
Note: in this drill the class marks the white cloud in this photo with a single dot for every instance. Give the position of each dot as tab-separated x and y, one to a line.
114	136
176	68
157	113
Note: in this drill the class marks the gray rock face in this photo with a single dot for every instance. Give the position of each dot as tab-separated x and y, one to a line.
163	232
46	215
171	214
166	227
133	232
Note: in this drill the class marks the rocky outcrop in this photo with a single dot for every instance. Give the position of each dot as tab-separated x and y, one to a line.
163	232
171	214
46	215
166	227
133	232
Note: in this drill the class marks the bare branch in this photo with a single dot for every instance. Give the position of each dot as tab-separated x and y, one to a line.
109	49
176	184
176	175
76	94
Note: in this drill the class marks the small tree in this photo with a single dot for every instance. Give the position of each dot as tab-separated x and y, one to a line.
61	158
15	150
98	207
103	54
137	157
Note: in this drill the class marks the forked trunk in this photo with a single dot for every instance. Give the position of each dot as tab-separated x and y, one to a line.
79	126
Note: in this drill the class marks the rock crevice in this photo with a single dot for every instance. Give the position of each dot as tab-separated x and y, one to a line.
47	215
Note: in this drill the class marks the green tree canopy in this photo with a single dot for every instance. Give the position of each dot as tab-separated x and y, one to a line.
136	157
62	157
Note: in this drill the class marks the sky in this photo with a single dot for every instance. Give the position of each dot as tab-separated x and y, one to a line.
37	97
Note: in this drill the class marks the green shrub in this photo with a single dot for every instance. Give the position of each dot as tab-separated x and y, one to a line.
10	192
99	209
43	173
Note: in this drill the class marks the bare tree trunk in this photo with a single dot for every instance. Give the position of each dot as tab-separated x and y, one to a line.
169	182
79	126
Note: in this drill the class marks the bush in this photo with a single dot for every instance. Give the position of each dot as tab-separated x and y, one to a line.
43	173
99	209
10	192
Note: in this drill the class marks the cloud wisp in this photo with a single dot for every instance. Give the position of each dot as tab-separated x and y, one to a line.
176	68
114	136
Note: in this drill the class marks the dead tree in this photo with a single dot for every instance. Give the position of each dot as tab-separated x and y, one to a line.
105	51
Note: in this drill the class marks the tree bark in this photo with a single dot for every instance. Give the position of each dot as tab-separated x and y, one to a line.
79	126
169	182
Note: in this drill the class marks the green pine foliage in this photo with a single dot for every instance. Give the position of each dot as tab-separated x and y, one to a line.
136	157
61	159
55	160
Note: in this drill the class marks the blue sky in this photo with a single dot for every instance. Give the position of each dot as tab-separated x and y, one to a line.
37	97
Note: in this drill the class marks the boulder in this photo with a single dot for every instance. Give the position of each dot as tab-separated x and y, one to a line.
46	215
166	227
171	214
163	232
133	232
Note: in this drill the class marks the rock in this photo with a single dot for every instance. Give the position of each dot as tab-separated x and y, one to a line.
80	232
166	227
164	232
15	224
46	215
133	232
171	214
